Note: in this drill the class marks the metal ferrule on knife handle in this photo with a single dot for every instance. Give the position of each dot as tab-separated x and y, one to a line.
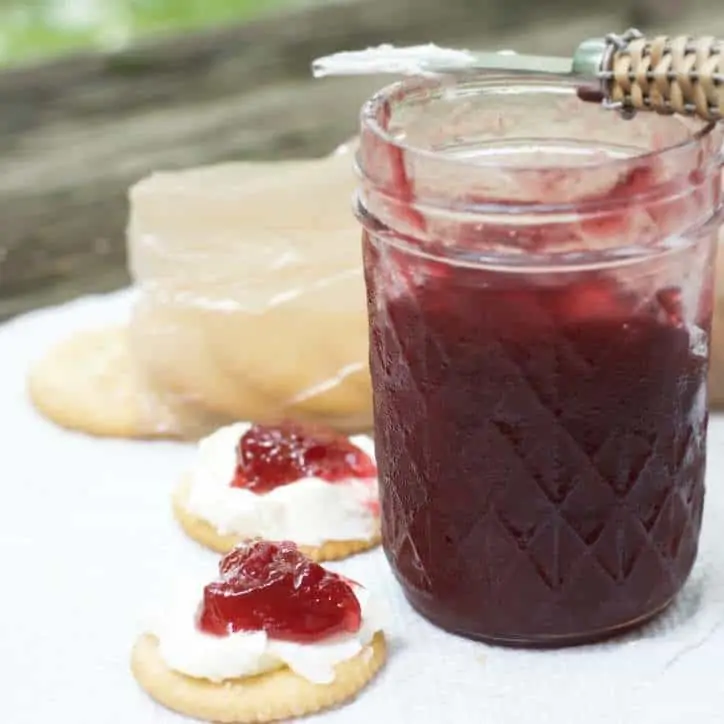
666	75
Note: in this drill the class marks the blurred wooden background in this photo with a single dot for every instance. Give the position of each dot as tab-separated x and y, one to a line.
74	133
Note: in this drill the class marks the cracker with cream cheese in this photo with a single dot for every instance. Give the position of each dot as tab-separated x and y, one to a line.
205	534
274	696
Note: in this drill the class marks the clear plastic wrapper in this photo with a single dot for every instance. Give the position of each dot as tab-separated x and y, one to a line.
251	301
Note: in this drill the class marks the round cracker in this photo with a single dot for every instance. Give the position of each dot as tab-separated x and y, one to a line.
204	533
88	383
279	694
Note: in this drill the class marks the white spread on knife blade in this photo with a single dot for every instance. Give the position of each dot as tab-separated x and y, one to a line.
412	60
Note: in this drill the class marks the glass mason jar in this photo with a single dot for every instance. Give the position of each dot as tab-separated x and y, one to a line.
539	275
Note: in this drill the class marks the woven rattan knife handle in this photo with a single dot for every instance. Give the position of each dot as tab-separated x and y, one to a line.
666	75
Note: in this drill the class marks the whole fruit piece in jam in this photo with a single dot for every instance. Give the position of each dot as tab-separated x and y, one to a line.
269	456
273	587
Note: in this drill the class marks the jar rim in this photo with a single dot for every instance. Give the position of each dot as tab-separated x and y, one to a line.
418	193
406	87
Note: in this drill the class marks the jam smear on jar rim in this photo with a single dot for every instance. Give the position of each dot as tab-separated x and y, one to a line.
274	587
270	456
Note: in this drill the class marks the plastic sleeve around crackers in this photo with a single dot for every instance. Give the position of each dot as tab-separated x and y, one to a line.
251	300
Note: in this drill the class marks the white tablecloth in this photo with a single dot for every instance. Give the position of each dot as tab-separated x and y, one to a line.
87	543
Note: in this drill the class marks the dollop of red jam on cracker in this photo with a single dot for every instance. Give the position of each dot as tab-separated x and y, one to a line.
274	587
269	456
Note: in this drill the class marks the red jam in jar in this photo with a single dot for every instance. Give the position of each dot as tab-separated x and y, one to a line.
269	456
273	587
539	351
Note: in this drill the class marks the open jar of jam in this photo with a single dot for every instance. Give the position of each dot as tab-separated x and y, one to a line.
539	275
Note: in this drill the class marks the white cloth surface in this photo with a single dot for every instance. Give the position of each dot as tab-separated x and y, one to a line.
88	543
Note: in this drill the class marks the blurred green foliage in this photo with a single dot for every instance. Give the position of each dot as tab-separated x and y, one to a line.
30	29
